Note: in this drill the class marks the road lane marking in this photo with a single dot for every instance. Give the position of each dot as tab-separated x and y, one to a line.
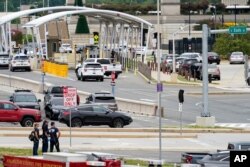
147	100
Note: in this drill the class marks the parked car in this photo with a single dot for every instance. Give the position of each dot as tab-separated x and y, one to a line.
192	55
9	112
179	61
213	70
55	91
218	159
186	64
4	60
20	61
103	98
90	71
237	58
213	57
54	107
65	48
94	114
108	67
79	48
25	99
242	145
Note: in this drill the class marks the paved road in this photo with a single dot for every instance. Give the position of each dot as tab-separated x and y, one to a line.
226	108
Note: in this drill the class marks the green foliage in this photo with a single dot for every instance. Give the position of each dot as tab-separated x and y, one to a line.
17	36
24	38
226	43
82	25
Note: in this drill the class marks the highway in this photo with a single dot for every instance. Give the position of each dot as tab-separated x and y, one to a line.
227	108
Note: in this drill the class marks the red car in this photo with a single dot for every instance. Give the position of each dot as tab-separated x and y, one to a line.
9	112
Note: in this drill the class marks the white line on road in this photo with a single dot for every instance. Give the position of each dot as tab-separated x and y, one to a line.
147	100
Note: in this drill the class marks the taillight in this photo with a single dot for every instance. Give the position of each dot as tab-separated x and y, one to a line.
189	159
66	113
85	70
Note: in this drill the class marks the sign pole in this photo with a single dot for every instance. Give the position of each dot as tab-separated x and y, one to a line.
180	110
70	100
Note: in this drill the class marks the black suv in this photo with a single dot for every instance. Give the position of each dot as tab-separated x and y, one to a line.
25	99
54	107
104	98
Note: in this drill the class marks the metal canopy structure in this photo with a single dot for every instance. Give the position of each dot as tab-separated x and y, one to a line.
5	22
117	29
108	15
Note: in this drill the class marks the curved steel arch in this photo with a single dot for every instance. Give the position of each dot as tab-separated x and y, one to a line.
107	13
19	14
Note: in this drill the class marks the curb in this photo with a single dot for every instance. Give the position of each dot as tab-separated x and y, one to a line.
156	130
109	136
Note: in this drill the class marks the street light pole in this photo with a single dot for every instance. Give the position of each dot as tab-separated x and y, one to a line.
158	76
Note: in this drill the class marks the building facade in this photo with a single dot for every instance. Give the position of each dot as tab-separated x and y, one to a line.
170	7
233	2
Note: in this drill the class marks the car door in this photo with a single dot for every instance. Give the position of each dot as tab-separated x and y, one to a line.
101	115
87	114
10	112
3	113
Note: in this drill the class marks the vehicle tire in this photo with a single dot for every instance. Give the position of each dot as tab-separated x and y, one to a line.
218	78
78	77
118	123
82	78
12	69
27	122
218	63
101	79
76	122
116	76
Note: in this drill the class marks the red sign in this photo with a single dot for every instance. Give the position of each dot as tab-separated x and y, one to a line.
12	161
69	97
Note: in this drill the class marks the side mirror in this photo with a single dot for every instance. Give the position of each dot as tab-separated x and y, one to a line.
107	112
39	100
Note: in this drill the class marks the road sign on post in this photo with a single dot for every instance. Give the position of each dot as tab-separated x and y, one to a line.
238	30
69	97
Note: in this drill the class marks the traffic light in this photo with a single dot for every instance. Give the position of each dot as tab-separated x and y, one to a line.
96	37
181	96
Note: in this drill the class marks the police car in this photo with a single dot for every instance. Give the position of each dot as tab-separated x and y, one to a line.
20	61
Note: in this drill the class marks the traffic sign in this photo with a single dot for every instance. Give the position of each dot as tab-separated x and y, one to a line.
159	87
238	30
69	97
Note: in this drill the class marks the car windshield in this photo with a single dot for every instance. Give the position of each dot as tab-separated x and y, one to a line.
25	98
58	90
89	61
105	99
103	61
21	58
4	56
57	101
93	66
237	53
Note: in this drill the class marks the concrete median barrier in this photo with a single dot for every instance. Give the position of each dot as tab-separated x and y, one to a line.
138	107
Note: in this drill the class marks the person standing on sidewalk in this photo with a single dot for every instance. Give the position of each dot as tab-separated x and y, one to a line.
36	139
45	136
54	137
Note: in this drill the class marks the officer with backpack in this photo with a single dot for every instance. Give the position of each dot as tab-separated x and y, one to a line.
36	139
54	137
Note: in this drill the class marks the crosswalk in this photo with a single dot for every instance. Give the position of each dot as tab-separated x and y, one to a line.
234	125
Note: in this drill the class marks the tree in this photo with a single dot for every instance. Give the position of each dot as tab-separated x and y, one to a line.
16	36
226	44
82	26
